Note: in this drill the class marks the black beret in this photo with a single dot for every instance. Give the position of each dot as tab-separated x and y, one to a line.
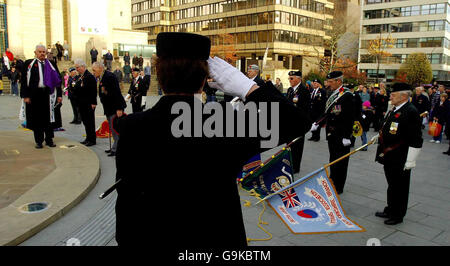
182	45
317	80
71	69
295	73
401	87
334	75
136	69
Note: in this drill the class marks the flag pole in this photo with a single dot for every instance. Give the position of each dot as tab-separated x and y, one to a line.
271	158
353	152
300	181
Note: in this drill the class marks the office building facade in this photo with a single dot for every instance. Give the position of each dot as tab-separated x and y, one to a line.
416	25
293	30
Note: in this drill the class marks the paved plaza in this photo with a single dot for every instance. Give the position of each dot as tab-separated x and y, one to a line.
427	221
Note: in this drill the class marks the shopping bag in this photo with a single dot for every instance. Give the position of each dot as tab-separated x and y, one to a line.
434	129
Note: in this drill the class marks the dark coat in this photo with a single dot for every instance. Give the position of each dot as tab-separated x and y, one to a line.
191	198
137	90
442	112
147	80
118	74
110	94
318	104
141	61
71	87
126	59
14	76
94	53
38	111
135	61
301	97
340	117
86	88
259	81
421	103
400	130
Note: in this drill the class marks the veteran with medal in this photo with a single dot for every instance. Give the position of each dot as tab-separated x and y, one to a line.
400	142
299	96
339	118
111	98
136	91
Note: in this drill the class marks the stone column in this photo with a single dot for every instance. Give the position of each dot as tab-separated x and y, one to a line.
56	22
14	20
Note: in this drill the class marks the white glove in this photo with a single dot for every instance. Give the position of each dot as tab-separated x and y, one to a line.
228	79
374	139
127	97
314	127
346	142
413	153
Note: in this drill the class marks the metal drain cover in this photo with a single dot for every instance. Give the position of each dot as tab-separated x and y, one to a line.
34	207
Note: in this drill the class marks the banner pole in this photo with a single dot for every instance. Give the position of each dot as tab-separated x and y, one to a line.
297	183
272	157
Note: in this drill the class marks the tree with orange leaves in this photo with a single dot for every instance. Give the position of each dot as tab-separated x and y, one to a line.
378	49
224	47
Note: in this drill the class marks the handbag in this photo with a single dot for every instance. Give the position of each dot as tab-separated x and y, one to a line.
434	129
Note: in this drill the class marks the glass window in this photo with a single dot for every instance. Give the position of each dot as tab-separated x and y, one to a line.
415	11
440	8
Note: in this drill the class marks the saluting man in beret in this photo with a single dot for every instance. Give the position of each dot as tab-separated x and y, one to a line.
339	119
400	142
187	183
300	96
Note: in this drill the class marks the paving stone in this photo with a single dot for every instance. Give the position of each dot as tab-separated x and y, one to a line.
373	230
443	239
402	239
418	230
436	222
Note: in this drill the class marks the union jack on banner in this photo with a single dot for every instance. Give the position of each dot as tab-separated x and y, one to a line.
290	198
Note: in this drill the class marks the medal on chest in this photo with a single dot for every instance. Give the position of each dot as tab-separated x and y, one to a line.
295	99
393	128
336	109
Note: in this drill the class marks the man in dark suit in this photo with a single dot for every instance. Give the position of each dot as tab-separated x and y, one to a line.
146	78
400	142
42	93
73	97
299	96
318	101
211	199
111	98
86	88
339	119
253	74
94	54
137	90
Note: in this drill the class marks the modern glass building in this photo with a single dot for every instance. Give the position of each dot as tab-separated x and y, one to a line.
3	28
291	29
416	25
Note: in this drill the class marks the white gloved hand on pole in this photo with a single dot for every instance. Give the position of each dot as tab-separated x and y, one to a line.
374	139
314	127
346	142
228	79
413	153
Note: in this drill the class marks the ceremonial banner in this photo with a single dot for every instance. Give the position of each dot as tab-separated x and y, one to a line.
271	177
103	131
311	205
